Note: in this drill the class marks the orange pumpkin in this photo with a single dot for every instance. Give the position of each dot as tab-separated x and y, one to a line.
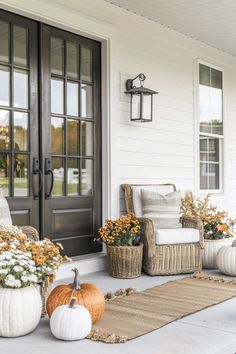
87	295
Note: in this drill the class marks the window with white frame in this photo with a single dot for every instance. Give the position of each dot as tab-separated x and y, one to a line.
210	118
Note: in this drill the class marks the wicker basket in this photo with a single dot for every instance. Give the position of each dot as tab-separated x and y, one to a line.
125	261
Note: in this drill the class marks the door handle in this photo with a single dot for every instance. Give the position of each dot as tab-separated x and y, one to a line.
36	172
49	172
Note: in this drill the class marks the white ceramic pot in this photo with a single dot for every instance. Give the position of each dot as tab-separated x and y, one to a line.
226	259
20	311
211	247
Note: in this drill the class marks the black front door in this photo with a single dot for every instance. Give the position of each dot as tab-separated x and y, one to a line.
50	162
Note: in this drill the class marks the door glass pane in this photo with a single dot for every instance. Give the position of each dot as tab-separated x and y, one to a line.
58	172
57	97
86	64
72	60
72	99
4	174
87	177
20	49
21	175
57	135
4	130
87	101
57	56
21	88
4	41
72	176
72	137
4	86
87	139
21	131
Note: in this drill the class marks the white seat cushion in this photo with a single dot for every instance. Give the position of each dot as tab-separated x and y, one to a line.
162	189
176	236
5	216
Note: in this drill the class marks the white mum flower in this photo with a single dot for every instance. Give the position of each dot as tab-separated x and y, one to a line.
17	283
12	261
10	277
18	269
4	271
24	278
33	278
7	255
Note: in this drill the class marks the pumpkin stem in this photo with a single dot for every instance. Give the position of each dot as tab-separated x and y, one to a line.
73	302
76	283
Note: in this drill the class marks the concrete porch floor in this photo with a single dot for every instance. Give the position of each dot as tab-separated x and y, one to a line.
211	331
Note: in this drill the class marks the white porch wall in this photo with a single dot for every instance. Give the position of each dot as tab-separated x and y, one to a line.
164	150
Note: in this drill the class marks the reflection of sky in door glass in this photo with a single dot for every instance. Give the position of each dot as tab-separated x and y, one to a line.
20	89
4	86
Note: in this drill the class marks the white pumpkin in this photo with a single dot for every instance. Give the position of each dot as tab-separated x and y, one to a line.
20	311
70	322
226	259
209	253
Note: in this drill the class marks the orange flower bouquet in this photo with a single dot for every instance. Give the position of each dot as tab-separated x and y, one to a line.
217	224
125	231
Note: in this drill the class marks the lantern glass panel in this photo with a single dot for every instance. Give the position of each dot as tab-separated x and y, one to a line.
147	107
135	107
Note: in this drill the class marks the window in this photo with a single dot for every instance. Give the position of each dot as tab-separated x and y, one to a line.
210	118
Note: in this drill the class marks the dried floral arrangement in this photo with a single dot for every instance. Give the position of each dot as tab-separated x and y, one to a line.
125	231
23	261
217	224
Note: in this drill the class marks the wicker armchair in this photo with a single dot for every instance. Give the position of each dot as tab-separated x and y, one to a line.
168	258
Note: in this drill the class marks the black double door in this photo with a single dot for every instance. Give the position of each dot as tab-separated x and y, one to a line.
50	131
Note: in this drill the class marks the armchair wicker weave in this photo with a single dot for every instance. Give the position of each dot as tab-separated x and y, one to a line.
165	259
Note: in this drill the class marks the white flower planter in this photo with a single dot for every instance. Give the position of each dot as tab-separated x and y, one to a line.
20	311
211	247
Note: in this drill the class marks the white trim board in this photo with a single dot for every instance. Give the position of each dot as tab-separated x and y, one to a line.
86	264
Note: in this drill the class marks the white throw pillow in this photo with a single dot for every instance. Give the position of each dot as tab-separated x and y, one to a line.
136	192
163	210
5	216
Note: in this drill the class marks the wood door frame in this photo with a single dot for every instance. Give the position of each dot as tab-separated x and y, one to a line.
45	113
20	205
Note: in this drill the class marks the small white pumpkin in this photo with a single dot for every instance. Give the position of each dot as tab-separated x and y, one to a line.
70	322
209	253
20	311
226	259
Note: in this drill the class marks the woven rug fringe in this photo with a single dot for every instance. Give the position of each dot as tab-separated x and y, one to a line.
208	277
119	293
97	335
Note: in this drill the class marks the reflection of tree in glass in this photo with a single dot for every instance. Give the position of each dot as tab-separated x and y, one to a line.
4	164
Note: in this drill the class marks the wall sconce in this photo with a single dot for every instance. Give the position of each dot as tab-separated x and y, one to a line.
141	100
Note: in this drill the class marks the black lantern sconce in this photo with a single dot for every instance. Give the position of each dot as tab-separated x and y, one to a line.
141	100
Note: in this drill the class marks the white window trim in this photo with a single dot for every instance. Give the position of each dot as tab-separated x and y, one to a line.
198	133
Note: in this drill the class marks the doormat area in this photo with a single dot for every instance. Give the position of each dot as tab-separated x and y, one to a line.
135	314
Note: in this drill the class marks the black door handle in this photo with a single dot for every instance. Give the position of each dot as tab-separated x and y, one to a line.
49	172
36	172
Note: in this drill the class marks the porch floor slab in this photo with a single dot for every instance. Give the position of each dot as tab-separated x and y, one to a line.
211	331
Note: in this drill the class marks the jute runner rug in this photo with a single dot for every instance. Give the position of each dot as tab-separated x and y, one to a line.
128	317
